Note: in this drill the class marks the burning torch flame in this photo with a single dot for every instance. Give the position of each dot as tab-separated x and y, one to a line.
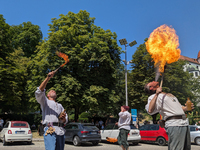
64	56
112	140
163	45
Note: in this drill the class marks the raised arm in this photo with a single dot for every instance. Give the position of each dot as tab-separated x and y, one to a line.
44	83
152	104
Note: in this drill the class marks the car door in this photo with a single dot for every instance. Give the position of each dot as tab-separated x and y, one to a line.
152	132
114	132
192	133
107	131
143	132
67	133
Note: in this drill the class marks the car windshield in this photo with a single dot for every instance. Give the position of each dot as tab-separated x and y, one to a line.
90	127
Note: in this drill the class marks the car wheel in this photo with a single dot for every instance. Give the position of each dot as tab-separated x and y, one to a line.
135	143
95	143
76	141
197	141
161	141
29	142
4	141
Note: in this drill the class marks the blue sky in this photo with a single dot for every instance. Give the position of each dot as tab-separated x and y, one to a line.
130	19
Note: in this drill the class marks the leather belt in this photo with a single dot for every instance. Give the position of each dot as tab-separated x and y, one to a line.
58	124
174	117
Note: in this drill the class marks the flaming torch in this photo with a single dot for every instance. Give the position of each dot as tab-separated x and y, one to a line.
163	45
64	56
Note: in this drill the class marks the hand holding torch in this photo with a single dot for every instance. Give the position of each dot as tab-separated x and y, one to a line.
65	57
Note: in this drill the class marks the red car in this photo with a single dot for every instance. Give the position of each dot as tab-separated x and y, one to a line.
153	133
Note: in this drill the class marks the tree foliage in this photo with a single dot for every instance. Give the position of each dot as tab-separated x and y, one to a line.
88	81
14	62
26	36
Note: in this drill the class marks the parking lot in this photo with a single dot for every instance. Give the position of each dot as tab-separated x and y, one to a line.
87	146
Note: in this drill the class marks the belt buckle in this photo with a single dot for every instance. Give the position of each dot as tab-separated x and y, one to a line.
183	117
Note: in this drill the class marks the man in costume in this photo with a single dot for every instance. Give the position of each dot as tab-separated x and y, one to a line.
53	116
176	123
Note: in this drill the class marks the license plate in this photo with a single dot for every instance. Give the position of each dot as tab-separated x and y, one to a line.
93	132
19	132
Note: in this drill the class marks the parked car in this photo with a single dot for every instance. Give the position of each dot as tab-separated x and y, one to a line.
195	134
153	133
112	131
16	131
82	132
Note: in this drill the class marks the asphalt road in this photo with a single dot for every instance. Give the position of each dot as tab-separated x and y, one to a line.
87	146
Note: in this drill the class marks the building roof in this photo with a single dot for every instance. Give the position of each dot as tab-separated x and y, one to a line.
198	55
190	59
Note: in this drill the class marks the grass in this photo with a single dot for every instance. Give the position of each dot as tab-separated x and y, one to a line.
36	135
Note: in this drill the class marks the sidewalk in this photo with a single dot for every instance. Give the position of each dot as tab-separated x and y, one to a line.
38	139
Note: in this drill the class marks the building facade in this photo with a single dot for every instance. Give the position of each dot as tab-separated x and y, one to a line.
193	65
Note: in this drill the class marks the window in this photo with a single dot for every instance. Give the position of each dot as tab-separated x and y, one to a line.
153	127
192	128
74	126
196	74
6	125
144	127
68	126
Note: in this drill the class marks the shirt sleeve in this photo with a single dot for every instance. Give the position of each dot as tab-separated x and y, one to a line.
40	97
157	105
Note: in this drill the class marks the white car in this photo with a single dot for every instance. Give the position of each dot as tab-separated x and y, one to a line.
194	134
112	131
16	131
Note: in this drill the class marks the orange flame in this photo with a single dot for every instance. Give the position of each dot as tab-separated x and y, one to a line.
113	140
163	45
64	56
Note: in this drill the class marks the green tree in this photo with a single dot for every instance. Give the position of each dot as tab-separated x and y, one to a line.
87	82
15	41
26	36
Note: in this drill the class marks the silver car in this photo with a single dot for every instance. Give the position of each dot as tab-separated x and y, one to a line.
195	134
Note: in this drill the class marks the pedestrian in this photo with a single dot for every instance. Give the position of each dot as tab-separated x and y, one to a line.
41	130
1	124
100	123
97	124
124	127
173	113
53	116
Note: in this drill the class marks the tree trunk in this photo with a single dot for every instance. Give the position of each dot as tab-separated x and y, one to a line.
76	113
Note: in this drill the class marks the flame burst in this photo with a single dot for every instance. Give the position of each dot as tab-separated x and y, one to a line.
64	56
163	46
113	140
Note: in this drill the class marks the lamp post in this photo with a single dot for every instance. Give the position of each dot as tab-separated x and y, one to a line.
125	43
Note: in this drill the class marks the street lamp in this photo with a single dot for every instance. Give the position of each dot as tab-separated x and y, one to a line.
124	42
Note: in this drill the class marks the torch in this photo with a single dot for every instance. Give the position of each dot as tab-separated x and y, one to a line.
65	57
163	45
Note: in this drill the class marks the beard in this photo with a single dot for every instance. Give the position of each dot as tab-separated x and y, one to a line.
152	92
52	95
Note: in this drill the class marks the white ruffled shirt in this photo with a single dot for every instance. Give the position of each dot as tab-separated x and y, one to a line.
50	110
